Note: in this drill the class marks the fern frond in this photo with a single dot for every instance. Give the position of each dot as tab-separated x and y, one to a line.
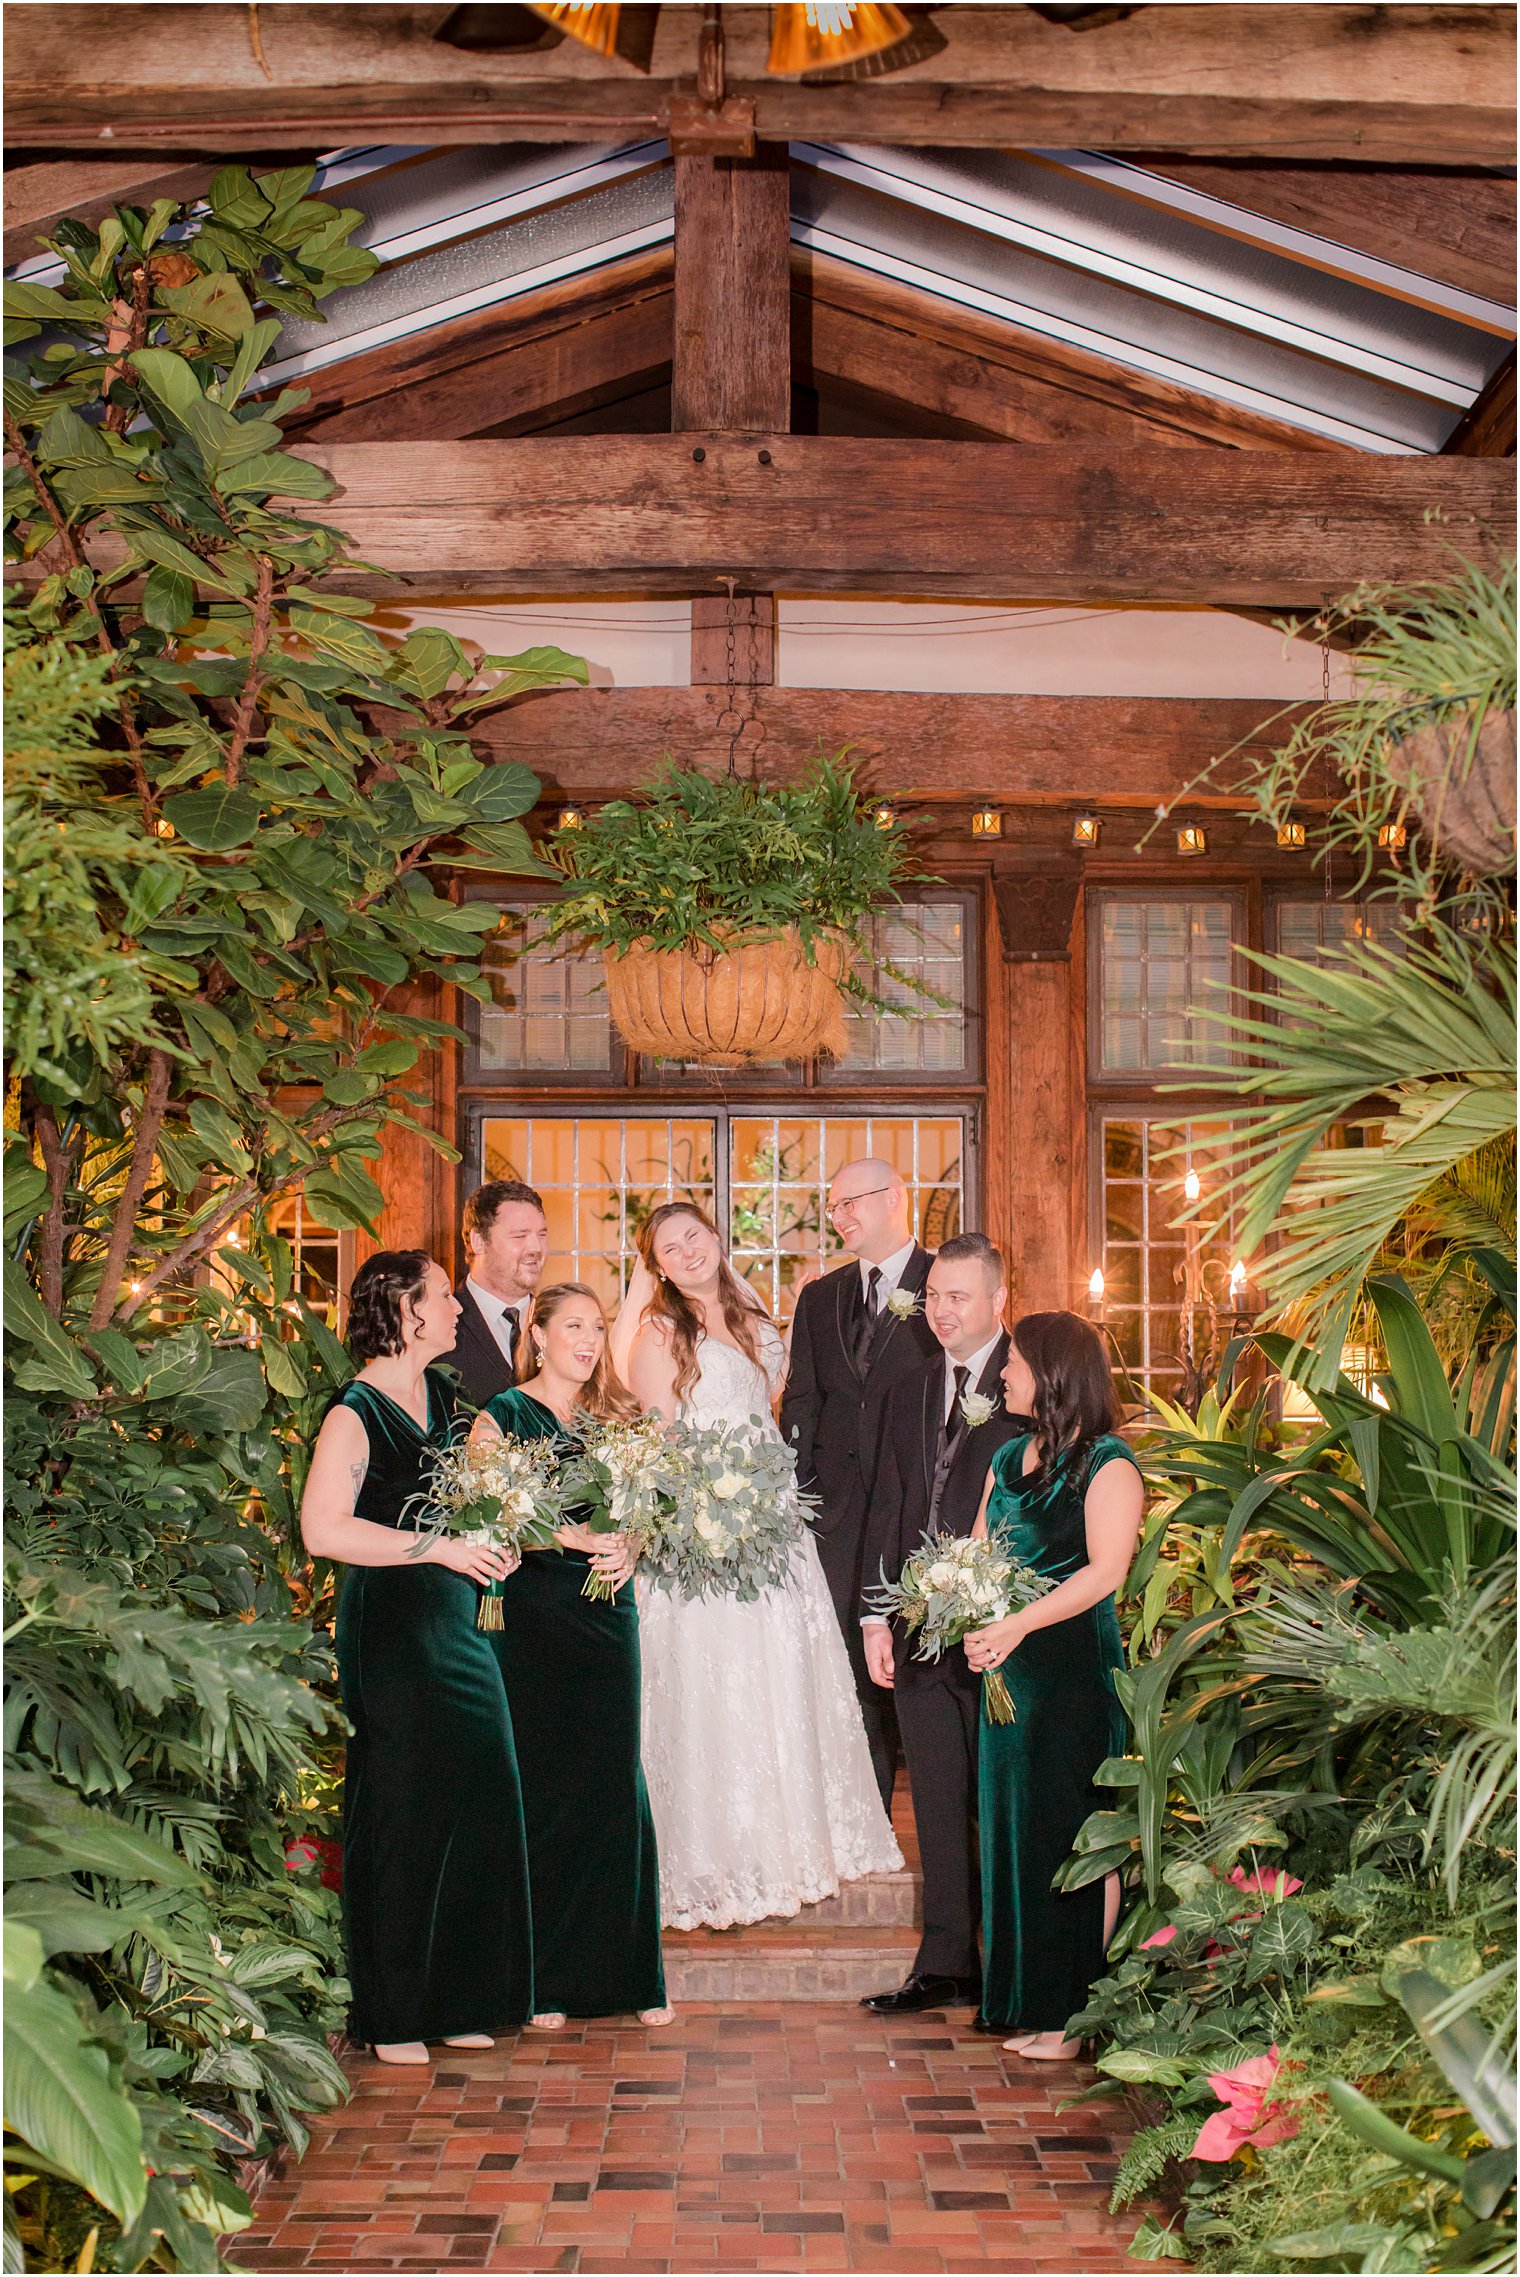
1148	2158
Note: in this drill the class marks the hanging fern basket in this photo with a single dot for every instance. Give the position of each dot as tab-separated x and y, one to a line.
760	1000
1464	788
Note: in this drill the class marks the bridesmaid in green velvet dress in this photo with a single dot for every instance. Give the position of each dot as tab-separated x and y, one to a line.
436	1906
1065	1499
571	1665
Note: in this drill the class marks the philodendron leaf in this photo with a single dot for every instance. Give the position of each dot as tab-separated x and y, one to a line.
215	819
62	2101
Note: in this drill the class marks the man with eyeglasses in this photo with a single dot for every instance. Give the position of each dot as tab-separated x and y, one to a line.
856	1330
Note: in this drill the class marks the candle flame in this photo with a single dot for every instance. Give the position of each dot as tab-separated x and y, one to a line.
1192	1185
1095	1285
1237	1279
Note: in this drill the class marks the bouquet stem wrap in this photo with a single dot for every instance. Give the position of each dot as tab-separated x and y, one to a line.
951	1585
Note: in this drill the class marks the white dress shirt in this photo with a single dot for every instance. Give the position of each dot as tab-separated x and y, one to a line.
891	1270
975	1365
499	1316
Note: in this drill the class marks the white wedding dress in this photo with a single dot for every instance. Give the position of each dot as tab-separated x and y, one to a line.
755	1756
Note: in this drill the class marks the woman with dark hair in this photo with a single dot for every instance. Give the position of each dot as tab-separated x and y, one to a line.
571	1667
1066	1499
435	1869
759	1772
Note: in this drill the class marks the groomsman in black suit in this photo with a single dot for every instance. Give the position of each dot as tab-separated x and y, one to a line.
856	1330
943	1423
506	1240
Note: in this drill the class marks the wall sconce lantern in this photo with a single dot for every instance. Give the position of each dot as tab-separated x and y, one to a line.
884	817
1292	837
1192	838
571	818
1392	837
1085	829
986	822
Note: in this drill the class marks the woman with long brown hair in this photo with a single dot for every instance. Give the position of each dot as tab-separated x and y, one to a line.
571	1668
759	1773
1065	1498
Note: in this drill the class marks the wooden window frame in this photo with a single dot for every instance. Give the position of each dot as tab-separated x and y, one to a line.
1113	1084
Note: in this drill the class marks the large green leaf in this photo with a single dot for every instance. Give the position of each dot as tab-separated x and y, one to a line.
62	2101
60	1364
215	820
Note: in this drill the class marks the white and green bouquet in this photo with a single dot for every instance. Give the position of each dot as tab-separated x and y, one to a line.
730	1527
951	1585
508	1492
625	1480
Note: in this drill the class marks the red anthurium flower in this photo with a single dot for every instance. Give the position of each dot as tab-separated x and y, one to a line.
1279	1885
1247	2117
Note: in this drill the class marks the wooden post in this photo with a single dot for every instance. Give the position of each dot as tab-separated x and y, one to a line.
733	314
1034	1089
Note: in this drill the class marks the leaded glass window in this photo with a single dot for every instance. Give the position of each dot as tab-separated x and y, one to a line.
1158	962
548	1010
912	1034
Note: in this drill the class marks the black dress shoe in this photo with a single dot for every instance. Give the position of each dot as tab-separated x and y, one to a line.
923	1992
979	2023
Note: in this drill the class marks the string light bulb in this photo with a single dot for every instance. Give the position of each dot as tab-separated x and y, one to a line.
986	822
1292	837
1085	829
1192	838
1392	837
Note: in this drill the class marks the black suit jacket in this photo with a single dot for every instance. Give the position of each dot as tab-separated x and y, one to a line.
477	1358
830	1411
902	1495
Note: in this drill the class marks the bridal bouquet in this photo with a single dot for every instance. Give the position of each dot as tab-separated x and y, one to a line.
952	1585
729	1528
626	1480
508	1492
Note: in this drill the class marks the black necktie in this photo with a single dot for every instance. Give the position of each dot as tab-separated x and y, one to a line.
870	1315
512	1322
954	1420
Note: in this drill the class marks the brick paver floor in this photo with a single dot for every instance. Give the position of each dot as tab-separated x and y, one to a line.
782	2137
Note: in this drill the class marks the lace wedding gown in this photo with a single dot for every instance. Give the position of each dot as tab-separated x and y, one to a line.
755	1757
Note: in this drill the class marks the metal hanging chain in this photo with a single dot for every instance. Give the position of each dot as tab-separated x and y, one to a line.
731	718
1324	689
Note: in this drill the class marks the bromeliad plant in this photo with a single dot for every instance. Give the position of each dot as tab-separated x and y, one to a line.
227	917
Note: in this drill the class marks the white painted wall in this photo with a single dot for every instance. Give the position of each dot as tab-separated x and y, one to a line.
936	647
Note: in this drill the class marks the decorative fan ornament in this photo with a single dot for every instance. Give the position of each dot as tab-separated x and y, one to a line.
853	37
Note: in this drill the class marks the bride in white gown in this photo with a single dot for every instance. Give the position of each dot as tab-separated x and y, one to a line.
755	1757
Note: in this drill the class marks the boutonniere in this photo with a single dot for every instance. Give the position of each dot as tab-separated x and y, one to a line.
902	1304
977	1408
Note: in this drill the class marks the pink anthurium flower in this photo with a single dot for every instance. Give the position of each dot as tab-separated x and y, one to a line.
1159	1937
1279	1885
1248	2118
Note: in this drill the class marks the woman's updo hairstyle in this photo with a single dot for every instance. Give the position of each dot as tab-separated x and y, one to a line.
1074	1401
381	1289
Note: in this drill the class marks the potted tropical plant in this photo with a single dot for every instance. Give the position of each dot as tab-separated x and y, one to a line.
732	915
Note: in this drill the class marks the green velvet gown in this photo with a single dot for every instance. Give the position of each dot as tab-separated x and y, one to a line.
435	1870
571	1665
1044	1947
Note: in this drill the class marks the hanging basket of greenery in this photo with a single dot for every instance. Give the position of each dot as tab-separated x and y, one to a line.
732	916
1460	774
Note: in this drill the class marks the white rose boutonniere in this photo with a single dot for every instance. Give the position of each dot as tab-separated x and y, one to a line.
977	1408
902	1304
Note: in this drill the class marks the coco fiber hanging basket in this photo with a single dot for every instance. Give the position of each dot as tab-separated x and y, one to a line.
725	1007
1464	787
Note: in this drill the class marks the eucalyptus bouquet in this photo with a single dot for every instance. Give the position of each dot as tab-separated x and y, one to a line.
952	1585
730	1529
625	1480
508	1492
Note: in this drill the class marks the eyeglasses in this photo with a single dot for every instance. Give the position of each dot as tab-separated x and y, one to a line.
851	1201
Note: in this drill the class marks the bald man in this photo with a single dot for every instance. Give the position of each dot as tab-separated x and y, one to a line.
856	1330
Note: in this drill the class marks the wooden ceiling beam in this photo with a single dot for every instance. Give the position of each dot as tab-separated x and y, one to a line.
985	377
576	345
1107	752
1457	228
1417	84
732	350
670	514
1487	429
